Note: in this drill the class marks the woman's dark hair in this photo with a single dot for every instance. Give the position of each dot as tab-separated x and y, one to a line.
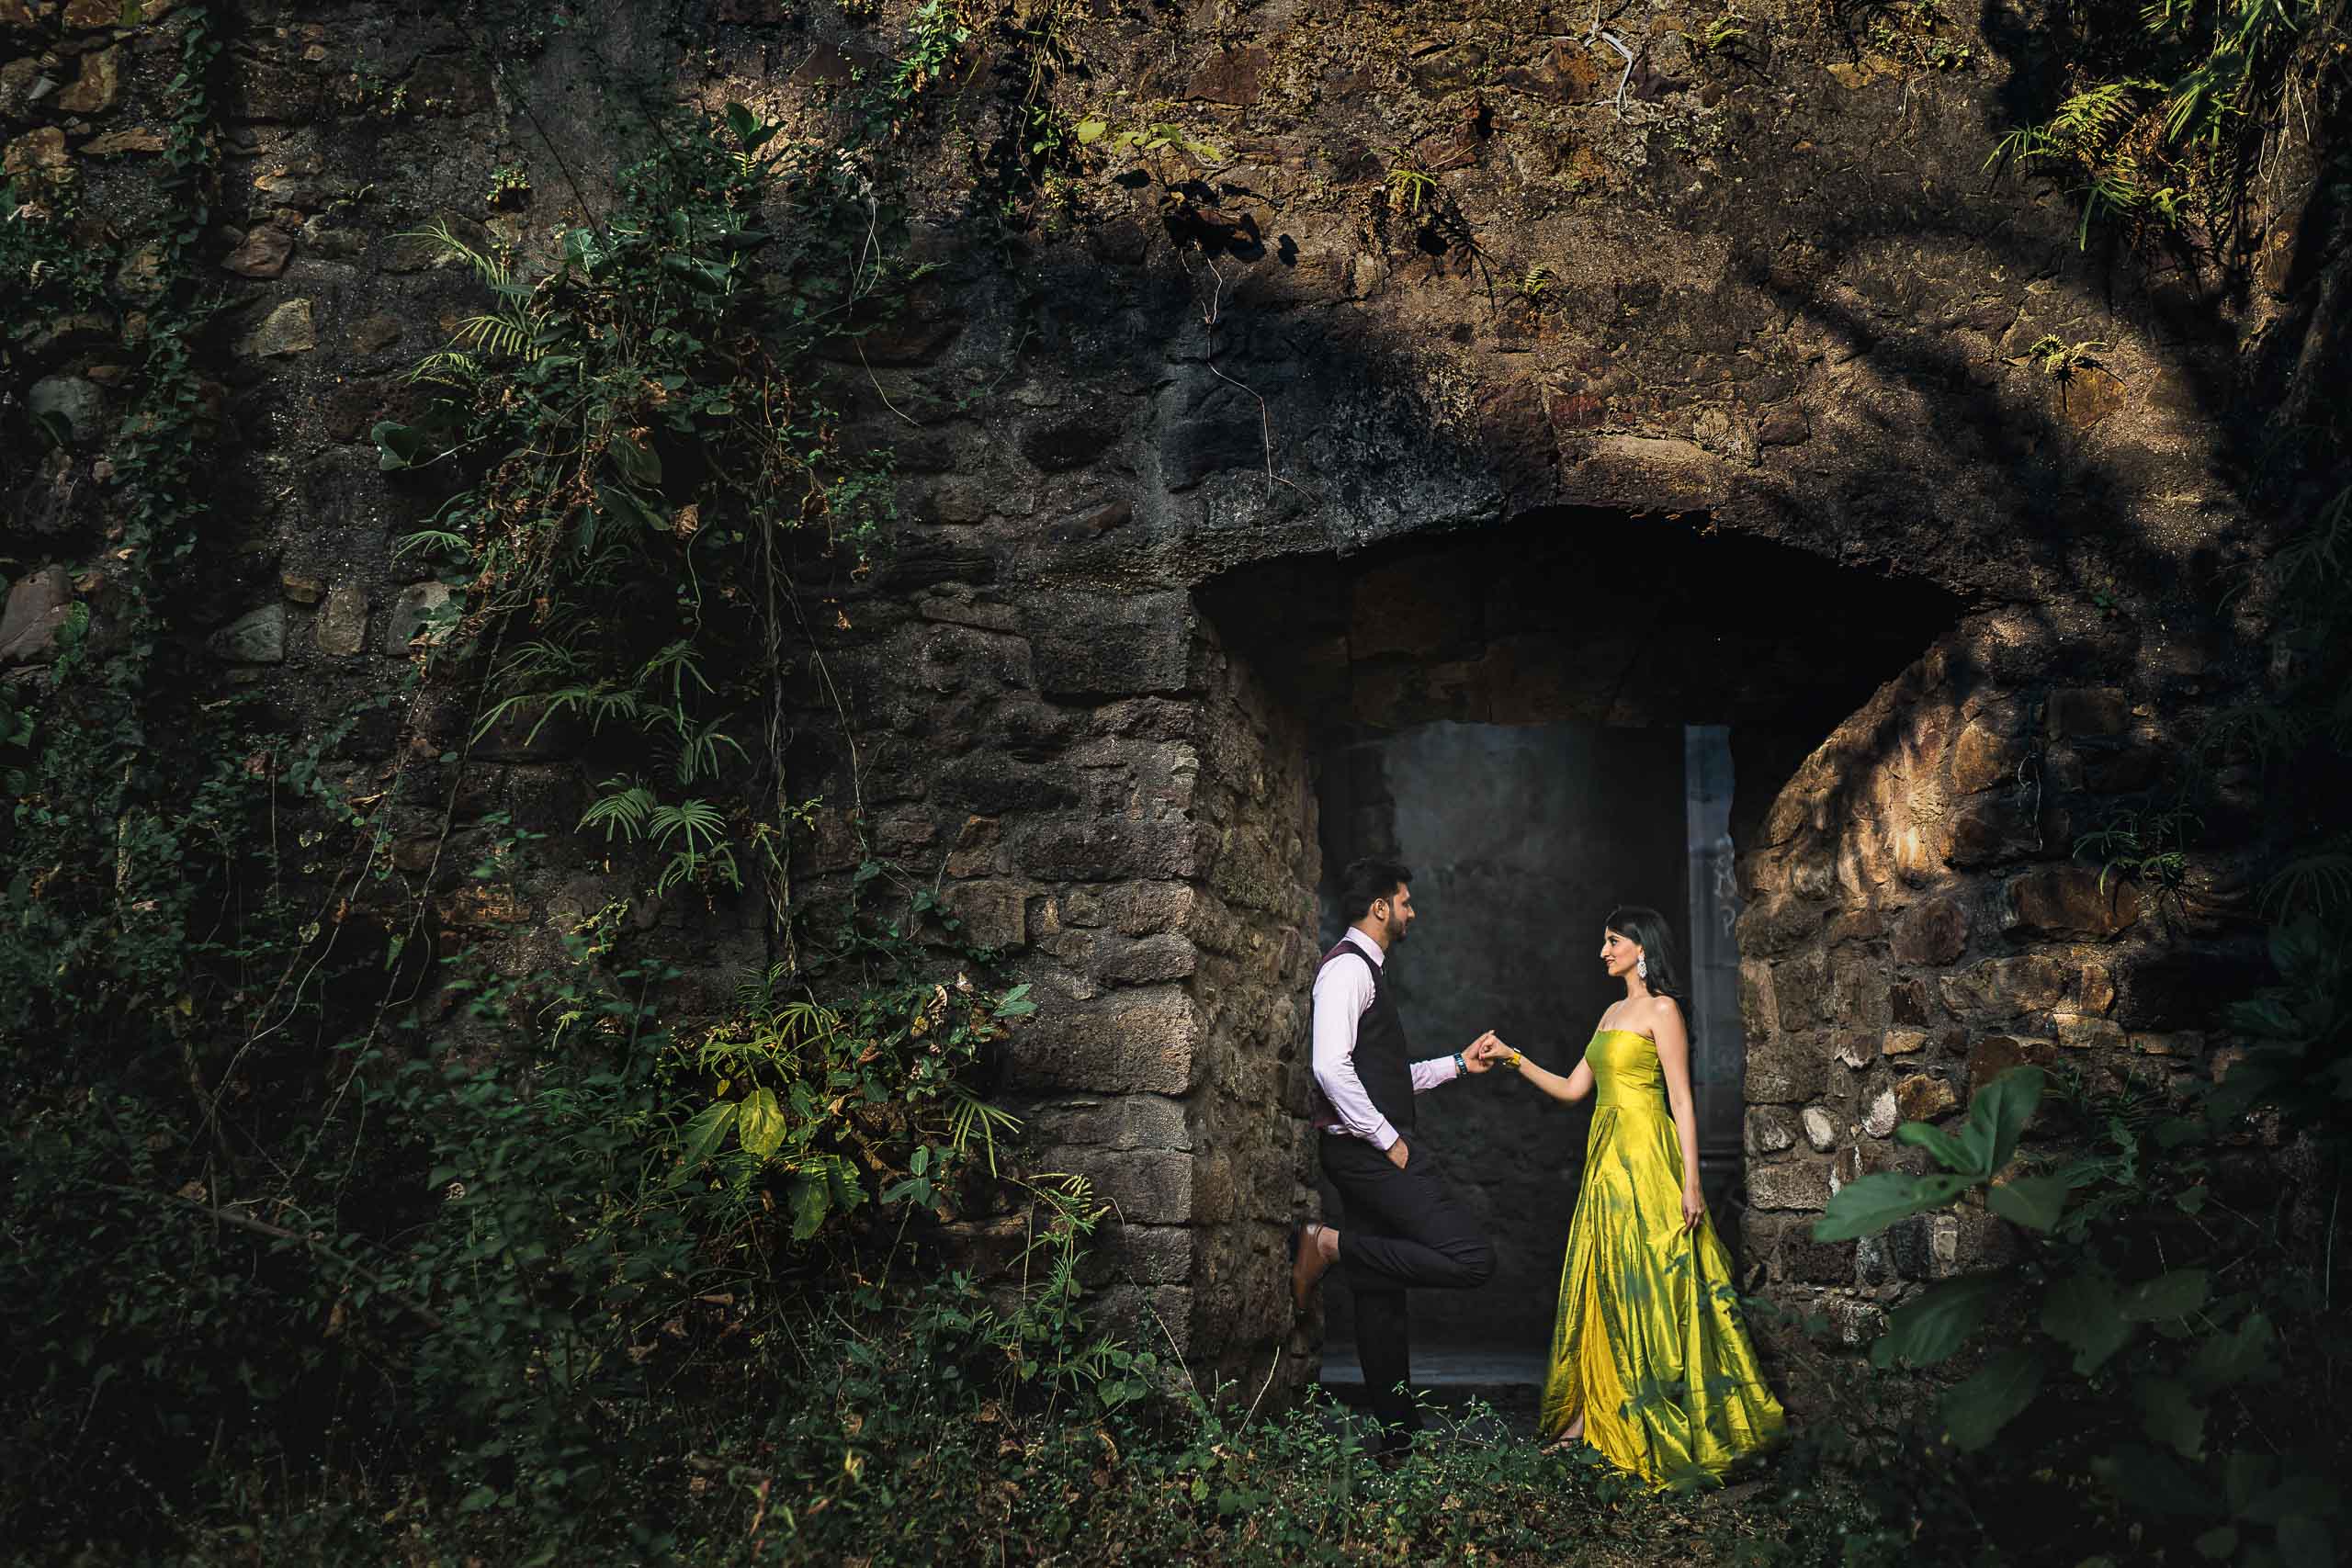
1648	932
1366	881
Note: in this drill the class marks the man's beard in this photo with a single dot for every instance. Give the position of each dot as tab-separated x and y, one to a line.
1396	931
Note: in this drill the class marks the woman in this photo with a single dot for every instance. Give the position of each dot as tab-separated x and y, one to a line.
1649	1363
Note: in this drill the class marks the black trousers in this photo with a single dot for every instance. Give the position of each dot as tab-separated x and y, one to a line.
1401	1230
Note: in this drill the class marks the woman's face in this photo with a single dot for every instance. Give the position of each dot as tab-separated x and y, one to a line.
1619	953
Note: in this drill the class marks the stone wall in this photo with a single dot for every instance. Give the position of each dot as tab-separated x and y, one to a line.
1916	924
1774	301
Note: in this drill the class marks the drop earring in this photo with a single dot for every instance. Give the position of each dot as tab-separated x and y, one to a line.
1641	966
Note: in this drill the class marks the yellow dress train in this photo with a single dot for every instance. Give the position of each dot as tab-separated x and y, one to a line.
1648	1343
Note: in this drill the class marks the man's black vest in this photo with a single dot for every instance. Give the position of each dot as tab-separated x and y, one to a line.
1382	1059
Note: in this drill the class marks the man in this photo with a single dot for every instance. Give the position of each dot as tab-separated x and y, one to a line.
1403	1229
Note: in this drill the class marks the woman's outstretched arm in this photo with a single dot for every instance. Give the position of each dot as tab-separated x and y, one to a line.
1569	1089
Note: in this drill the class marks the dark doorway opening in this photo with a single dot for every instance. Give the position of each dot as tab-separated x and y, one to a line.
1545	718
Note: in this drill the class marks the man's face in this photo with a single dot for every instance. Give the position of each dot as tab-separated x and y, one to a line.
1393	913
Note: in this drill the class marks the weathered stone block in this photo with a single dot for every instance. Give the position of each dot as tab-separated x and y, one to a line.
1982	757
2004	988
255	637
1071	443
38	605
2087	711
1791	1184
1777	925
1908	1003
1904	1041
1114	850
1993	1054
994	914
1858	1047
2096	992
1106	645
1862	992
1145	961
2068	900
341	626
1986	830
1934	933
1786	1069
1785	1244
1129	1042
420	606
1881	1112
1769	1130
1147	1255
1804	993
2077	1032
74	402
1922	1098
285	331
263	253
1820	1129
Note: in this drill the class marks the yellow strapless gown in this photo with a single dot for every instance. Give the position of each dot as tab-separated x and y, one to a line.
1648	1343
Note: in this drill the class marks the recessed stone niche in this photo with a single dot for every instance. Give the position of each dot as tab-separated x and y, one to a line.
1509	709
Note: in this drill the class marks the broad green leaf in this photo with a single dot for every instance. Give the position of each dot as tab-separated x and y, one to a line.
1997	1117
2080	1312
2168	1415
760	1126
1090	131
919	1163
636	462
705	1133
2172	1295
1946	1149
1975	1411
2033	1202
1870	1204
809	1202
397	445
742	121
2153	1481
1929	1329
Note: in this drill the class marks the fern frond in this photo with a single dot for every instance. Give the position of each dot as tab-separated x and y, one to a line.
623	809
2318	884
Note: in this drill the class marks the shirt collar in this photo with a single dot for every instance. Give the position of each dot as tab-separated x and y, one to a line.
1379	958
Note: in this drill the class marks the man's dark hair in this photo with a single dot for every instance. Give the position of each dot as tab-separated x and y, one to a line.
1367	881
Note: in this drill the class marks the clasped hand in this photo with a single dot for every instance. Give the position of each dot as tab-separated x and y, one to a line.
1487	1051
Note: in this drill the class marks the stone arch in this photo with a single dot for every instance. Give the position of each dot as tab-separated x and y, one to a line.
1181	1083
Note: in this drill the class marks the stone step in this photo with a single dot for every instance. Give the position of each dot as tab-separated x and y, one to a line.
1449	1380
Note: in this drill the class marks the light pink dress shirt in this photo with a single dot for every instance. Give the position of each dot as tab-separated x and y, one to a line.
1342	992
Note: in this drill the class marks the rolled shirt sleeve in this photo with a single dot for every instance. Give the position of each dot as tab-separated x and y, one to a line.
1428	1075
